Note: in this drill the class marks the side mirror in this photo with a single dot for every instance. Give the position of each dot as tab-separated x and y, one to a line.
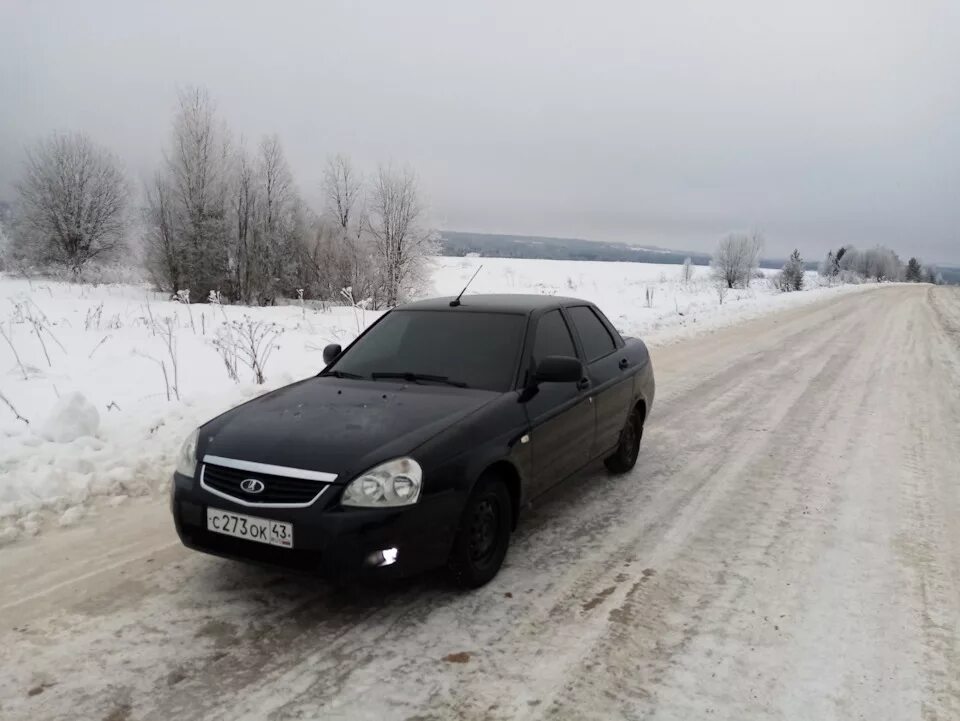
331	352
559	369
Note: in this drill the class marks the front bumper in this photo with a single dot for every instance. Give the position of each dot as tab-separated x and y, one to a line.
327	539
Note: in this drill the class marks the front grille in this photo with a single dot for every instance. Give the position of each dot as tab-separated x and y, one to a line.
277	489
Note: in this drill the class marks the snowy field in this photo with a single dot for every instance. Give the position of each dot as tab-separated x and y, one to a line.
89	369
674	310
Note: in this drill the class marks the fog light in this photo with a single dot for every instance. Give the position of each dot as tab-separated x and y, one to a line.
385	557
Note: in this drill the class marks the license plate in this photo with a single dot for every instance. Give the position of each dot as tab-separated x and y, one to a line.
251	528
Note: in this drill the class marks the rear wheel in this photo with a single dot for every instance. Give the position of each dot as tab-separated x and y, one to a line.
625	455
484	534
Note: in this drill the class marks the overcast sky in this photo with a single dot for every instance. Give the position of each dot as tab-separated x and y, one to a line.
819	122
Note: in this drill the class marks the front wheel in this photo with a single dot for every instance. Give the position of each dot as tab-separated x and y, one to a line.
625	456
484	534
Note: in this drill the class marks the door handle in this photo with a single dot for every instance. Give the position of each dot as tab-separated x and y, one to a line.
624	363
583	384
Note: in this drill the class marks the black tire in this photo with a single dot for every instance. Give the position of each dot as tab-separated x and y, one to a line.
484	534
624	457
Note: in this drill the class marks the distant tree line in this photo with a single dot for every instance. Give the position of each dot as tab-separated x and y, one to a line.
849	263
223	217
491	245
737	258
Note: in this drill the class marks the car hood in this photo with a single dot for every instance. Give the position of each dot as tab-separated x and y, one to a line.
337	425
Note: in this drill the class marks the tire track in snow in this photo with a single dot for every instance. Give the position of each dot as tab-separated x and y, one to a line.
641	626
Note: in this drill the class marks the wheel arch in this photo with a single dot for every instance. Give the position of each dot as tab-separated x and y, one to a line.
508	473
640	405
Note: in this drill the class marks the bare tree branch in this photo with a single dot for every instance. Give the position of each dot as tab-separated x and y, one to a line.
10	406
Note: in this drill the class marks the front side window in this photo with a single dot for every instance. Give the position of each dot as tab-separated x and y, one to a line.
552	338
475	349
596	339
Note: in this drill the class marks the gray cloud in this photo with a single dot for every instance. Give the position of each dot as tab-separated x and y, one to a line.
820	122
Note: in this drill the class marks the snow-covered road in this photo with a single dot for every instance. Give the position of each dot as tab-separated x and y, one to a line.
788	547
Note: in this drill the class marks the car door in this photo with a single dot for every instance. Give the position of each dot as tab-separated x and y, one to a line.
609	372
561	415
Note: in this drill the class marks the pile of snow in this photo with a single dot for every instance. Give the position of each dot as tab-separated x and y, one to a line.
72	416
109	379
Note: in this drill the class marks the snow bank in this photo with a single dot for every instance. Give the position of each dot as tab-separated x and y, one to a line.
99	419
95	390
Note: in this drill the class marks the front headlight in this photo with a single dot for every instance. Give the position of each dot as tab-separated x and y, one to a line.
187	458
394	483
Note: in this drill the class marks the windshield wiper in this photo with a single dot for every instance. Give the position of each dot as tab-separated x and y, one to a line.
343	374
418	378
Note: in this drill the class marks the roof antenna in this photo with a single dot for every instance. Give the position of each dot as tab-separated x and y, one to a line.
456	301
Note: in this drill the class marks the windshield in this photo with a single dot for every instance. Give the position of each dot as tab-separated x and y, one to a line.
478	350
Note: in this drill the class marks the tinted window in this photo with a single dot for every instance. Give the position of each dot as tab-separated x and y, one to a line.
479	349
553	337
594	335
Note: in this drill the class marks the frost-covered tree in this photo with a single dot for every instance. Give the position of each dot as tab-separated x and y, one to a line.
883	264
791	277
336	253
828	267
162	239
736	258
930	274
267	225
853	261
351	250
5	259
686	273
277	224
913	273
878	263
187	232
72	202
400	242
342	192
242	206
832	264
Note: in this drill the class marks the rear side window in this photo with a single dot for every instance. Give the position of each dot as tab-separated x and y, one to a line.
596	339
553	337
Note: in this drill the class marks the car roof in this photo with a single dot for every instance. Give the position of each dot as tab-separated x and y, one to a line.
500	302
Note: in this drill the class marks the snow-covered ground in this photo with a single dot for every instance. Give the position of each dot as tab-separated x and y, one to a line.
82	366
786	548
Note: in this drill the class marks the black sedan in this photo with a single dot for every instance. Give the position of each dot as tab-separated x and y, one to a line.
418	444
